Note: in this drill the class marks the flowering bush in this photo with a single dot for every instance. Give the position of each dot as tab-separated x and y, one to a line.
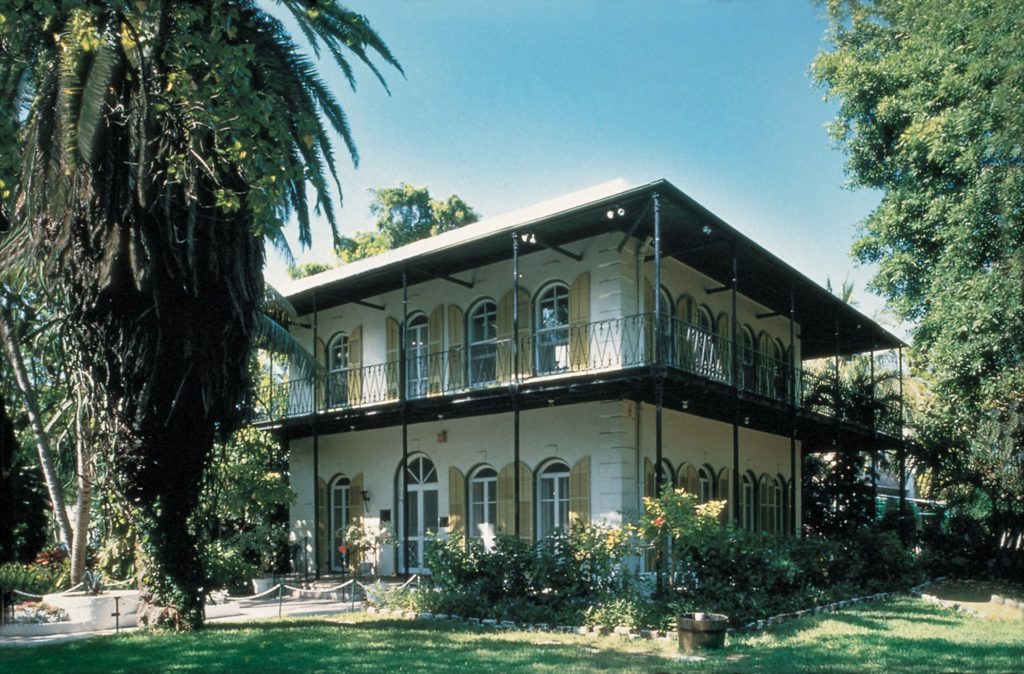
31	613
366	540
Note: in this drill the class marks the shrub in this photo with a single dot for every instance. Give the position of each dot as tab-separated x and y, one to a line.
553	580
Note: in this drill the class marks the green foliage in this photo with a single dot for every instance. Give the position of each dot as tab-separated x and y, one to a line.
931	112
553	580
22	500
161	144
32	578
678	527
405	214
241	519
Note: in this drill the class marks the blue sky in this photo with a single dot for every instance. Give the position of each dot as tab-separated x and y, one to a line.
511	103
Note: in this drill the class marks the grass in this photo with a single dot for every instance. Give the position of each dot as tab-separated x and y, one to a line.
902	635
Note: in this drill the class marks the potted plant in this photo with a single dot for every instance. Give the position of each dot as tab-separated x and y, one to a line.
676	525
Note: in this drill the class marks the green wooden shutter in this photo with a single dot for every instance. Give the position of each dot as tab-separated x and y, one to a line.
649	321
456	348
355	516
506	501
456	502
393	336
355	365
579	322
579	492
723	494
504	329
650	479
435	347
504	496
688	479
525	503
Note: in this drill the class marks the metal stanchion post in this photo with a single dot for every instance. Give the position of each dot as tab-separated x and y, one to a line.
280	599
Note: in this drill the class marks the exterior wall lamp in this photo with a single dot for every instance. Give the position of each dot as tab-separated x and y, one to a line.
366	496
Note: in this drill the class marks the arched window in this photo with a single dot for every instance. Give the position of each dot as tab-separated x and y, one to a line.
782	370
666	302
748	359
339	495
421	481
337	370
706	483
482	326
686	309
748	502
781	506
552	328
552	498
722	493
416	356
688	479
766	494
483	505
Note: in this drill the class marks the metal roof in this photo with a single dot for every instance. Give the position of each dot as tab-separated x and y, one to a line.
689	233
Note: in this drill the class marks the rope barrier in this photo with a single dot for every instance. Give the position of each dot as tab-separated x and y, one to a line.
320	591
261	594
27	594
404	585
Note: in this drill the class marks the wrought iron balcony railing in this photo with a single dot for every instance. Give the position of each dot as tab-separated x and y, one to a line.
600	346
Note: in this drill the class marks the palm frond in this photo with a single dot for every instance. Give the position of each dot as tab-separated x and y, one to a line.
272	336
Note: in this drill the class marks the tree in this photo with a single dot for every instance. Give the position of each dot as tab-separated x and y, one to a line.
405	214
162	143
22	500
931	112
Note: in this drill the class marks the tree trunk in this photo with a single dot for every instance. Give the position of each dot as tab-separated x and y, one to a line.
84	456
13	352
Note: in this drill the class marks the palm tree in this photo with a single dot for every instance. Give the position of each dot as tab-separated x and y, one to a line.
163	142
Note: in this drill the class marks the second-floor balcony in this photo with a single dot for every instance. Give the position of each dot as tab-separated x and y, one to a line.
613	347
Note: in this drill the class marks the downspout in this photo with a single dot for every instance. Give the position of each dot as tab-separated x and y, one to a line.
514	384
903	459
793	374
874	442
659	370
736	514
316	453
402	395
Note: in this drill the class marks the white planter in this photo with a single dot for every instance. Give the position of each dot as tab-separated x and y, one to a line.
85	612
261	585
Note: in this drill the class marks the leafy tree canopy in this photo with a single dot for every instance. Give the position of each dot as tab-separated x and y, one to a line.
931	112
405	214
160	144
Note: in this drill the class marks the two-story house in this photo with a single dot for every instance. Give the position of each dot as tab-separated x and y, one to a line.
554	365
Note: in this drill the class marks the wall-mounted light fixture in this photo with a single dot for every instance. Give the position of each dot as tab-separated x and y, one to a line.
442	436
366	496
615	212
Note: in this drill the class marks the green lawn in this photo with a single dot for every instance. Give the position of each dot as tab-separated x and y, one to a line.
902	635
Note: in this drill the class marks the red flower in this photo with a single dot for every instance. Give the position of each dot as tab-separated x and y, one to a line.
659	521
342	549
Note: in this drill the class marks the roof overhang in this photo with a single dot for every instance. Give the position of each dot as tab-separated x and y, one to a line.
689	233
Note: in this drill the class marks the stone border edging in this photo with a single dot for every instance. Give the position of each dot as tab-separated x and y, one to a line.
629	633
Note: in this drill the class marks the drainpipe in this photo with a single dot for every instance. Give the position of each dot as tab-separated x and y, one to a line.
874	442
659	373
736	514
316	454
793	409
902	459
514	384
402	395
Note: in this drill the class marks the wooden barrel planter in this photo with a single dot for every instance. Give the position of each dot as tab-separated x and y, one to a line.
701	630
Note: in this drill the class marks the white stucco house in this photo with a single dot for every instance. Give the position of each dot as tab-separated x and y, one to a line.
555	364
